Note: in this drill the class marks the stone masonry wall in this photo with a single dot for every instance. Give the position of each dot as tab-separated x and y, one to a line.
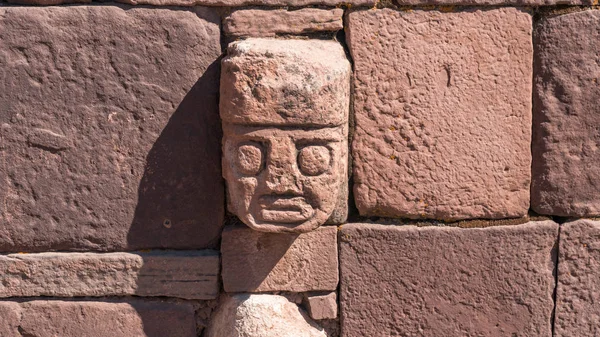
463	200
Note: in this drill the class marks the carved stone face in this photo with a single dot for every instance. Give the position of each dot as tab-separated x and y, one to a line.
284	179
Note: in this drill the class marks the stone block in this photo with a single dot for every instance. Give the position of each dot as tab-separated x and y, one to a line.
577	293
566	137
258	262
261	315
98	319
443	113
183	274
109	129
322	306
447	281
284	106
258	22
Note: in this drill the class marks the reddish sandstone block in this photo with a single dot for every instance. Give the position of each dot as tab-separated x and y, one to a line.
443	281
322	306
577	295
566	137
183	274
443	113
97	319
256	22
257	262
109	129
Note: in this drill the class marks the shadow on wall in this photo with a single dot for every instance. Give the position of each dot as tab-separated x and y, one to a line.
181	194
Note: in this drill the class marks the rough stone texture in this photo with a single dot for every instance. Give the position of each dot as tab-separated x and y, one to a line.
443	113
285	105
237	3
322	306
257	262
256	22
566	137
191	275
109	129
493	2
97	319
577	296
262	315
441	281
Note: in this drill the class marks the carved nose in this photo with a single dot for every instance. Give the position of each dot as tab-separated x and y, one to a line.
282	172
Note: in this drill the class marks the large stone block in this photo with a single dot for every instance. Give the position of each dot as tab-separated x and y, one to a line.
257	262
97	319
285	106
443	281
109	129
184	274
577	292
566	137
443	113
258	22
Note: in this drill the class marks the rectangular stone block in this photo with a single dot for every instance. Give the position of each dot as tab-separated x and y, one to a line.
566	124
257	22
183	274
97	319
447	281
577	295
258	262
109	129
443	113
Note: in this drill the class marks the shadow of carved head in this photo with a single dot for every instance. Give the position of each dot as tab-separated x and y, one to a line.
284	106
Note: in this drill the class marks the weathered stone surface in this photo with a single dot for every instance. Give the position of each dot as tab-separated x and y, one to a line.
109	129
577	296
184	274
258	22
263	315
256	262
566	175
237	3
98	319
285	105
493	2
443	281
322	306
443	113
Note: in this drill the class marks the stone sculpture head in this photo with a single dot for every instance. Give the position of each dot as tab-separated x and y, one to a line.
284	105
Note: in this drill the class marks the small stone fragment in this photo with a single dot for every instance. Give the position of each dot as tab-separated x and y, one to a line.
183	274
447	281
261	315
577	295
566	137
322	306
443	113
264	23
258	262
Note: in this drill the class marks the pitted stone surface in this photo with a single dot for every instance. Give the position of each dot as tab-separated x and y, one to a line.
109	129
97	319
285	105
258	262
184	274
261	315
577	296
256	22
566	137
443	113
442	281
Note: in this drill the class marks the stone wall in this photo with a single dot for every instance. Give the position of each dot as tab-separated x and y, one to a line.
463	202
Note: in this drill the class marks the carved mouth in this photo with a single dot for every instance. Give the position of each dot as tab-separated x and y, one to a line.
284	209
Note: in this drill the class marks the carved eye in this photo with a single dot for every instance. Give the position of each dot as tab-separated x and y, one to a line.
250	159
314	160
